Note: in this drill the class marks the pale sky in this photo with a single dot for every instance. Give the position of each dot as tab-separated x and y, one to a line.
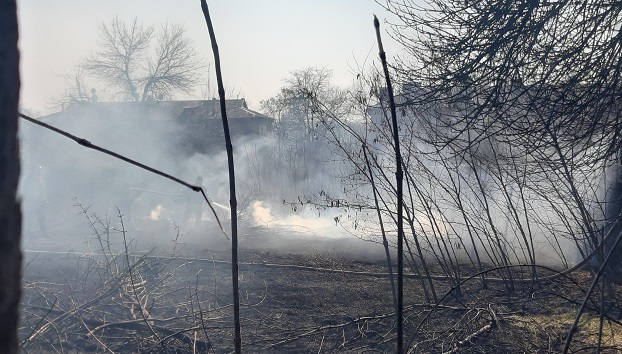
260	41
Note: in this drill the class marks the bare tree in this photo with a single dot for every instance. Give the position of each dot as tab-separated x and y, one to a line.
145	62
299	125
10	214
293	105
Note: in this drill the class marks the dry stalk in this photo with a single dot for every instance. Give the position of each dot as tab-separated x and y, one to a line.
232	194
471	337
399	176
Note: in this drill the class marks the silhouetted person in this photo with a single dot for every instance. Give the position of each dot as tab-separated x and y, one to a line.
35	200
194	204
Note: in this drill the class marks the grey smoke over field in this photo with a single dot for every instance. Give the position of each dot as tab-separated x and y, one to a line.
59	174
303	188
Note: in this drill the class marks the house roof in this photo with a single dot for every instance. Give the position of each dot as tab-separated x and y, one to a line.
210	109
156	110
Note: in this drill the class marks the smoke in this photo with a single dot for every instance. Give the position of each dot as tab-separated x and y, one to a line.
65	188
282	188
324	224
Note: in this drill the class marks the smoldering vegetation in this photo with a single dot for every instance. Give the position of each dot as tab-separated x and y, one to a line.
510	212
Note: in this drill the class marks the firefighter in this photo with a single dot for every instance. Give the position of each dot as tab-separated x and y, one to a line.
194	204
35	200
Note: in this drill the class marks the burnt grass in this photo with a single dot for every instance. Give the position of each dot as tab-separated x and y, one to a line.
175	297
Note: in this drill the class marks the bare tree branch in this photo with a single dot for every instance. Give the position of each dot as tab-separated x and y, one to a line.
144	63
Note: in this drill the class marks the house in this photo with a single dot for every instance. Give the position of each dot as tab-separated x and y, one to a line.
195	125
203	123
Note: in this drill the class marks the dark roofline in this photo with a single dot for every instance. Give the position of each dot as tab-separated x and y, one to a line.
174	108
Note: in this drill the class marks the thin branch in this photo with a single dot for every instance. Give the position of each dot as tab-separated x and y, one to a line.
399	176
233	201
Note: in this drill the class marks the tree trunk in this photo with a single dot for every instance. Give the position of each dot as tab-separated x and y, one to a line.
613	227
10	214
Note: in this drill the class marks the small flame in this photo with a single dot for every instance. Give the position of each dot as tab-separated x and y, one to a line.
155	213
262	214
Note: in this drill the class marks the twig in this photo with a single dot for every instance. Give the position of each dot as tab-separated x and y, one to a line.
100	325
203	326
143	311
34	329
116	283
597	276
487	328
385	243
450	291
334	326
179	334
93	334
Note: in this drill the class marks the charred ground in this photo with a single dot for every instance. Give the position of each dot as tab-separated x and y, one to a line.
175	297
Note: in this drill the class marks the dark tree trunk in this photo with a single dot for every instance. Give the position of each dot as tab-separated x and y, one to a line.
232	201
10	214
613	219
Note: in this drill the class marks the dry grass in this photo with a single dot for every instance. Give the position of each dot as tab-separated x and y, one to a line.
291	303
